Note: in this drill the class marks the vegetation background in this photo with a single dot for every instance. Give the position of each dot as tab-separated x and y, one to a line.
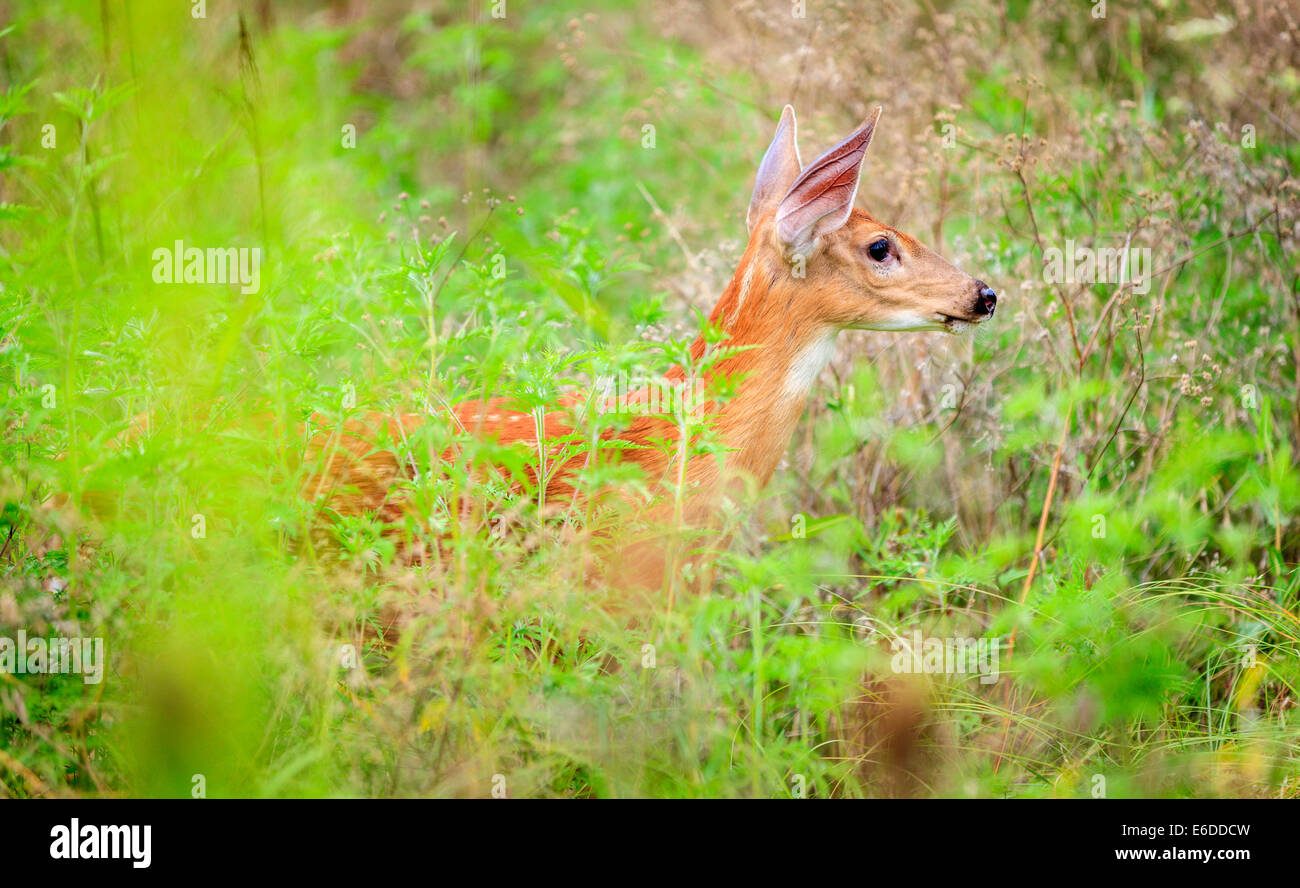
1106	477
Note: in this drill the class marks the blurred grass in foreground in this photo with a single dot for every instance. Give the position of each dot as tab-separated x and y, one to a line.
1159	654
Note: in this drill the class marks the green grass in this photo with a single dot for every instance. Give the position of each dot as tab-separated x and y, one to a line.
494	231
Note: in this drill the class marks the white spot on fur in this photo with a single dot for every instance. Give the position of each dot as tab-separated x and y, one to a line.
809	364
906	320
744	291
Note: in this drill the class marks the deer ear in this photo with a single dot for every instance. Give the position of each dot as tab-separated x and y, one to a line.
821	199
777	171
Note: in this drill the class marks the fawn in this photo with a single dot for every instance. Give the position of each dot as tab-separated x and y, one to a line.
814	265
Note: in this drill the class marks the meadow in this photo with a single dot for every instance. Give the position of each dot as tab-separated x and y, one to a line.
522	199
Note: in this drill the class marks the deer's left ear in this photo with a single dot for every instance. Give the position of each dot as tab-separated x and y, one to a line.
777	171
821	199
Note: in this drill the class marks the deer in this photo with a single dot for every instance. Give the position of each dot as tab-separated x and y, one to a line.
815	265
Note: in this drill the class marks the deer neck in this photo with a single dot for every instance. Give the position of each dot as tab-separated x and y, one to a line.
780	356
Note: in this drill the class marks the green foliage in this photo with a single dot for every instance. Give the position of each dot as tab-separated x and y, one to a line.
524	207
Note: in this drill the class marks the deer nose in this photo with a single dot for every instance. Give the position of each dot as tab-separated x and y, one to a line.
985	299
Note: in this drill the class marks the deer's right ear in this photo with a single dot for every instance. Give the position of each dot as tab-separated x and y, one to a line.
778	170
821	199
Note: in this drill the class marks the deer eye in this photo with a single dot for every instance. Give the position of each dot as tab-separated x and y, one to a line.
879	250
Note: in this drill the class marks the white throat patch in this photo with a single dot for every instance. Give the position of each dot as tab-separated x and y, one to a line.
809	364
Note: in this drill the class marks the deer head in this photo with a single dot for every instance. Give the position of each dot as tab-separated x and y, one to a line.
844	269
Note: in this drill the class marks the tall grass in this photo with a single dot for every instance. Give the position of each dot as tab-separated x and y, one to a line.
451	206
